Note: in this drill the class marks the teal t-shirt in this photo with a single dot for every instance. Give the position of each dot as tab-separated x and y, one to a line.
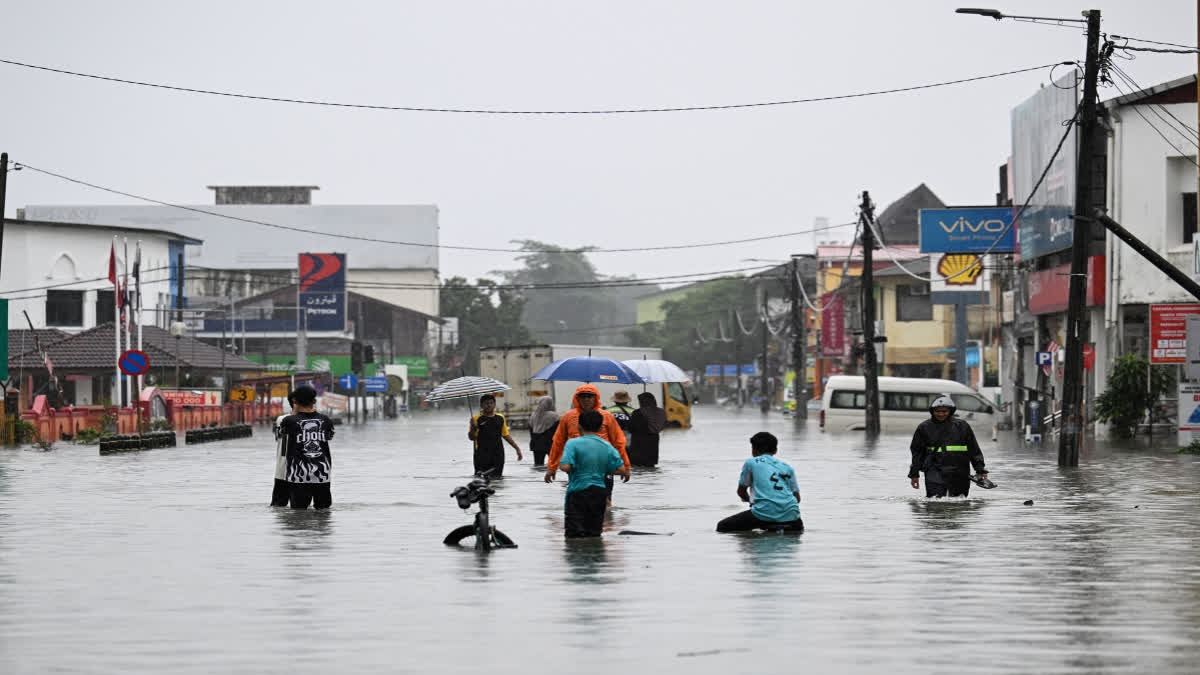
771	484
591	458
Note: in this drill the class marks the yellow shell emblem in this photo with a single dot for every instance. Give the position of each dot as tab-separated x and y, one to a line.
960	269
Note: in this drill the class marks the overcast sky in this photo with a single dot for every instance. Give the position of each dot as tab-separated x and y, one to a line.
605	180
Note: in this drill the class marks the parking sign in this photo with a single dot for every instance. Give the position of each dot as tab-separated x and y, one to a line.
1045	358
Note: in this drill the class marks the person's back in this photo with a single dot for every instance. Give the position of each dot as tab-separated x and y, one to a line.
306	435
588	459
770	486
279	492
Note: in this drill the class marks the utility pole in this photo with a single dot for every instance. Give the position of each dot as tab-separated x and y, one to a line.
178	329
1077	328
737	354
764	403
870	368
3	191
799	336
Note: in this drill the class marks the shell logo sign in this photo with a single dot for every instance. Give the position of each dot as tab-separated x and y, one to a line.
960	269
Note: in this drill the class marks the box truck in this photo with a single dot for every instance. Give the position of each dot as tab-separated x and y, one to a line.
514	365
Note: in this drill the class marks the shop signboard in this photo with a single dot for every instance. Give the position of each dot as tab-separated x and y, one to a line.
1168	332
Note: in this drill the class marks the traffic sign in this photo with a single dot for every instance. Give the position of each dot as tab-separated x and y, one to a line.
133	362
1045	358
375	383
348	381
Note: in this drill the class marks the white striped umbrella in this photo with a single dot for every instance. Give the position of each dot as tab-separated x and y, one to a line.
465	387
656	370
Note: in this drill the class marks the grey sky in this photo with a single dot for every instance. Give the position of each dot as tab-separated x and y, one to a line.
619	181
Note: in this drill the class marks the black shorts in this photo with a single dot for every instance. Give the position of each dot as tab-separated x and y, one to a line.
490	459
746	520
303	493
585	512
280	493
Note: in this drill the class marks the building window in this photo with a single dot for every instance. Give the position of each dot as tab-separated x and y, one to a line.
64	308
1189	217
913	303
105	312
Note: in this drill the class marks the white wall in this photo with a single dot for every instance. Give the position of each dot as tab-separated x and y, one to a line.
423	300
39	255
1148	177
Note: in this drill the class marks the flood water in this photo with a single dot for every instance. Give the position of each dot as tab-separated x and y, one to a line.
171	561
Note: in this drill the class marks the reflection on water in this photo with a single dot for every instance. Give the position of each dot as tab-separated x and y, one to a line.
141	568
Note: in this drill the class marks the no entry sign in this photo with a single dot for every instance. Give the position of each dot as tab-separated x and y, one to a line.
133	362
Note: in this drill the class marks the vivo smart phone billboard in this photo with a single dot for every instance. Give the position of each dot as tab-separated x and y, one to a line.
967	230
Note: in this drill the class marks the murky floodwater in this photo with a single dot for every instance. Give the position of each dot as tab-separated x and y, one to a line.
171	561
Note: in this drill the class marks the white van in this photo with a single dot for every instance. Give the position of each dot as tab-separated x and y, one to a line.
903	404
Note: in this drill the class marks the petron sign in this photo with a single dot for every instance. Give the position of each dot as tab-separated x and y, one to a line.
967	230
322	291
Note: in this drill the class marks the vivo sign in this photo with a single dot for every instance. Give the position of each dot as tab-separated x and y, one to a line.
974	230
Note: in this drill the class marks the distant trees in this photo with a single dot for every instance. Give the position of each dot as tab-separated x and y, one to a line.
487	315
699	328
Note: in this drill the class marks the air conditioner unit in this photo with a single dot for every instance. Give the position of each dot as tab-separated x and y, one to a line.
918	290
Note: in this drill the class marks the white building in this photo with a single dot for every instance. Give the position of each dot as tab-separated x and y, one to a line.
58	272
253	235
1152	185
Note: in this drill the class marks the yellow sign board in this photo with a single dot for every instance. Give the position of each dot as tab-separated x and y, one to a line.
241	394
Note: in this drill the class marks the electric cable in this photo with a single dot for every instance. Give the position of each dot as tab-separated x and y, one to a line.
486	111
1158	131
1135	87
335	235
1153	42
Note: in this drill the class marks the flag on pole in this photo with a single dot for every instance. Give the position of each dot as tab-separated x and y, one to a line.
112	263
1051	347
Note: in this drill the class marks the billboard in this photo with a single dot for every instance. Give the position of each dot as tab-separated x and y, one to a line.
969	230
1168	332
833	325
1037	127
322	291
959	278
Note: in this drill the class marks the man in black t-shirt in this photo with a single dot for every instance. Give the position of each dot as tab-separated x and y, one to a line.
489	430
306	435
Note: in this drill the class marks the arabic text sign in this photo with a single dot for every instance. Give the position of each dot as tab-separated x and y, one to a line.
322	291
974	230
1168	332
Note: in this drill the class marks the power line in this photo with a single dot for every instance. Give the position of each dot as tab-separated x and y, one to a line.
375	240
1152	42
486	111
1187	131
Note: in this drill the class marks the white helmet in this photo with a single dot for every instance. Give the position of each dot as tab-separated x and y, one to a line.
943	401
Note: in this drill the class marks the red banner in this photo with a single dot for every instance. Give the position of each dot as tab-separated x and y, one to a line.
1050	290
833	325
192	397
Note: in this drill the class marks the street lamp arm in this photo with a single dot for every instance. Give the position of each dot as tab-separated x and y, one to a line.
997	15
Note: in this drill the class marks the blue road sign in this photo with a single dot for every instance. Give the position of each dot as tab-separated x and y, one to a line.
969	230
348	381
712	370
133	362
375	383
1045	358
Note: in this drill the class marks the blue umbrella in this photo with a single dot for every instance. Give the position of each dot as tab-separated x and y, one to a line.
588	369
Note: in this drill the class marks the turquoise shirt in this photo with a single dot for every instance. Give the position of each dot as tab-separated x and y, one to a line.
591	458
771	484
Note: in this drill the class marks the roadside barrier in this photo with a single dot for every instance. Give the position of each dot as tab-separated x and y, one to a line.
132	442
210	434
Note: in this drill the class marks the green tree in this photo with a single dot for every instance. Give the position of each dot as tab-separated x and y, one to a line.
487	315
1126	397
567	313
700	327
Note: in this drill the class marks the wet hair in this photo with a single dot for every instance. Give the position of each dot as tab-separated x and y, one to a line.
304	395
764	442
292	398
591	421
485	398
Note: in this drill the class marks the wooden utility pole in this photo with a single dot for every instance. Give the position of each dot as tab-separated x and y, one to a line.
3	191
737	353
1077	328
799	360
764	403
870	367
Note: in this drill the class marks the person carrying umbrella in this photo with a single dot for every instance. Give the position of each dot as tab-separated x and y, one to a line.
645	424
488	429
586	397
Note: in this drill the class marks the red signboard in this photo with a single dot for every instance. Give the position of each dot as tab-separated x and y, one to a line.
1049	290
1168	332
833	325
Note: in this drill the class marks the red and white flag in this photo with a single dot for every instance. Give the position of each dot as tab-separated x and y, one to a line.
112	264
49	364
1053	346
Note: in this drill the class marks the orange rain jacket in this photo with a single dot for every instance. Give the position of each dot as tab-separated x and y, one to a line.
568	427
